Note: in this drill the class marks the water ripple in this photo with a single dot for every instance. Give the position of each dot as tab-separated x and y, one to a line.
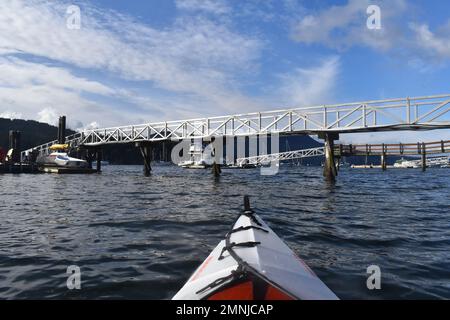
137	237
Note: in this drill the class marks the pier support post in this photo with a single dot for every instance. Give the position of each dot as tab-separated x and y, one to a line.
383	162
424	157
14	145
217	151
62	130
383	158
329	167
99	160
216	170
146	152
89	157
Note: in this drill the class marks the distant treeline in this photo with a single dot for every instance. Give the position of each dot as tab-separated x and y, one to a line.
33	133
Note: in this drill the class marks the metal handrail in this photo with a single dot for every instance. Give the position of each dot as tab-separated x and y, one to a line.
419	113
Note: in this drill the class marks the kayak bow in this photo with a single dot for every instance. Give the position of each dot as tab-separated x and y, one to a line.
253	263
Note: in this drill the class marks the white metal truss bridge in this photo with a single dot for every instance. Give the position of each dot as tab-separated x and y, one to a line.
420	113
275	157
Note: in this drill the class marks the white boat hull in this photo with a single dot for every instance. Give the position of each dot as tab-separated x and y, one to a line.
61	159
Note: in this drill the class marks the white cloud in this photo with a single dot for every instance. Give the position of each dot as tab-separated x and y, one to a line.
32	87
308	86
434	44
18	73
90	126
11	115
48	115
194	55
209	6
193	65
44	92
344	26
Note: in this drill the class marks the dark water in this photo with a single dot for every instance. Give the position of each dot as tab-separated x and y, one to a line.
137	237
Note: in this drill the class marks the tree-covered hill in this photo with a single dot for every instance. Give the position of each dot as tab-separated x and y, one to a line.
33	133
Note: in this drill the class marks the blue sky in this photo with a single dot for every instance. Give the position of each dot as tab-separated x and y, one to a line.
143	61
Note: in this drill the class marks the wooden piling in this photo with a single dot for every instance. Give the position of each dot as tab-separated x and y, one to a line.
14	144
99	160
383	158
424	157
216	170
329	167
89	157
146	152
62	130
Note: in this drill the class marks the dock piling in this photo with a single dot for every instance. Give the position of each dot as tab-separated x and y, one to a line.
99	159
216	170
146	152
62	130
329	168
14	145
89	156
383	158
424	157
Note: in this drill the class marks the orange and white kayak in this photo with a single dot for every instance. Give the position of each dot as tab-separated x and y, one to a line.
253	263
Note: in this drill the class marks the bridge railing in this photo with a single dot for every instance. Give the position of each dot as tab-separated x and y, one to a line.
398	149
265	159
407	113
420	113
44	149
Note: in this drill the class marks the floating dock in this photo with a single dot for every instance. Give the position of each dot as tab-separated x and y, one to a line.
369	166
18	168
61	170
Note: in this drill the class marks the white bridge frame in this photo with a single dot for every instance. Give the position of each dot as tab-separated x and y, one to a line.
266	159
420	113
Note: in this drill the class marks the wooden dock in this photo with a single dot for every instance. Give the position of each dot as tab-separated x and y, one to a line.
422	149
61	170
17	168
32	168
393	149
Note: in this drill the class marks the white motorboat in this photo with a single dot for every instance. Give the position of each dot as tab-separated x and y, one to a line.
403	163
60	158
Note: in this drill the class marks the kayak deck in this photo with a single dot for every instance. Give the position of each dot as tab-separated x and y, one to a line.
253	263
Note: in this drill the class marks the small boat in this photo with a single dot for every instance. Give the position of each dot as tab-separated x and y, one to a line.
197	158
240	166
253	263
408	164
189	164
60	158
438	162
433	162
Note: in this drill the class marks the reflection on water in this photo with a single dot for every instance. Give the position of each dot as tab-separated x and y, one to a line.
138	237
